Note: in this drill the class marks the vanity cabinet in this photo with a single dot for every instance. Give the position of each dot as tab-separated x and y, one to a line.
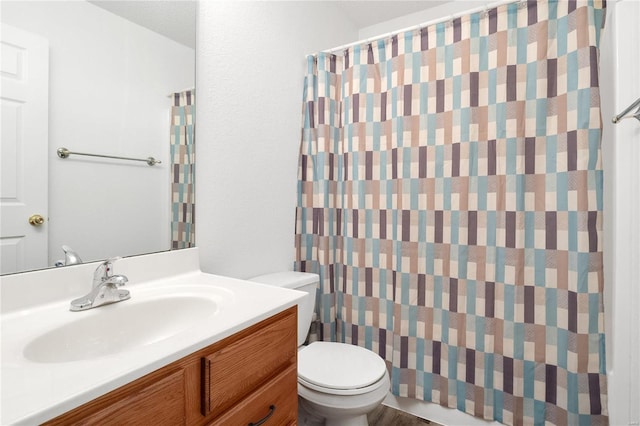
240	380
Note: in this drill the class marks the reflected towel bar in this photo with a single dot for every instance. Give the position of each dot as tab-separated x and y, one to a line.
65	153
624	113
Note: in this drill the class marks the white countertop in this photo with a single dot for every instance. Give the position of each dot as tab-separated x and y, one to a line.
33	392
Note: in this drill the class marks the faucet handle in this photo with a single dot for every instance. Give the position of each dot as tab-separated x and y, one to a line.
111	260
103	271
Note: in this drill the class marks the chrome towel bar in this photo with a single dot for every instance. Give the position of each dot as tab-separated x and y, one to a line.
65	153
624	113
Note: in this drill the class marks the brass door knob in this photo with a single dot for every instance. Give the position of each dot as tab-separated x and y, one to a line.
36	220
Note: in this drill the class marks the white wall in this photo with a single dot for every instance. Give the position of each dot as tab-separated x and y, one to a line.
620	86
251	65
109	81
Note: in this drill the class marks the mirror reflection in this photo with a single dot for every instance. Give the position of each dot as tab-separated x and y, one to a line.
111	78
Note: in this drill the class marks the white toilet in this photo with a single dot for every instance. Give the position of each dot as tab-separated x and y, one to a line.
338	383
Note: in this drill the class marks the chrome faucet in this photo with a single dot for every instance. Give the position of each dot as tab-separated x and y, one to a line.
70	257
105	288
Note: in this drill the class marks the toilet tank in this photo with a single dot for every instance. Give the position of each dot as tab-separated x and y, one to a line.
301	281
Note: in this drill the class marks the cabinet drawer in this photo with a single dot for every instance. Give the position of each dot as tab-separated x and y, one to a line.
238	369
278	398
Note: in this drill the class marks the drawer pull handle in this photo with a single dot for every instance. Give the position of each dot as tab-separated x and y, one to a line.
272	409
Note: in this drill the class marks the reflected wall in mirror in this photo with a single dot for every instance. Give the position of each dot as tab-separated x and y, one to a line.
94	77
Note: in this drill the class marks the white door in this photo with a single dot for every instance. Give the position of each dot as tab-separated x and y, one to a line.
24	96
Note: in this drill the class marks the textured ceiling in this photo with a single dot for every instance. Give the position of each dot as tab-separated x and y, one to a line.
175	19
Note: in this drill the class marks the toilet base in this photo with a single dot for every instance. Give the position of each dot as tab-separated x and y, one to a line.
305	418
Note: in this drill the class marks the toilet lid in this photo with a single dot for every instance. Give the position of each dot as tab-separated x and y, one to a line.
339	365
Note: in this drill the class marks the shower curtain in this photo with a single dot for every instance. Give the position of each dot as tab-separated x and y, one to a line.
183	216
450	198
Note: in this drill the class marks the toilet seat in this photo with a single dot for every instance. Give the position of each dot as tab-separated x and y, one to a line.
341	392
339	368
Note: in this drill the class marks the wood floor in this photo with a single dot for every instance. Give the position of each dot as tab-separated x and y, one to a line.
386	416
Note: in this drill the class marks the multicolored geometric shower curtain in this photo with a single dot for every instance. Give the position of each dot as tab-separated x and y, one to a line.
450	198
183	215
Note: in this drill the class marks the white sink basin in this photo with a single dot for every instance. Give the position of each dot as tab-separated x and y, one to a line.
111	329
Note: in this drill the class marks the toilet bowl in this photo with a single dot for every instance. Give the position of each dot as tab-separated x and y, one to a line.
338	383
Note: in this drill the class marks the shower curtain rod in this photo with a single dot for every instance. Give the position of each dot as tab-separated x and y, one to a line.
424	24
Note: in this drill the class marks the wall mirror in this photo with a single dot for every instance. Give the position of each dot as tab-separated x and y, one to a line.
98	77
